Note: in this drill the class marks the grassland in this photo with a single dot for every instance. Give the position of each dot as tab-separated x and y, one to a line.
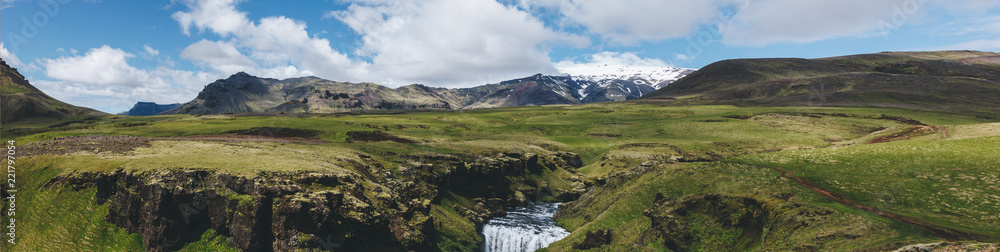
945	175
952	183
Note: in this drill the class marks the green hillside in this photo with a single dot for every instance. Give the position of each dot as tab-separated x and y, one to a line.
23	102
961	81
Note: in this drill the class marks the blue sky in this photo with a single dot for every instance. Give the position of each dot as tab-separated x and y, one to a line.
109	54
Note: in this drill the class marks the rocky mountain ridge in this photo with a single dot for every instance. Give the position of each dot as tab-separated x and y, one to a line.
244	93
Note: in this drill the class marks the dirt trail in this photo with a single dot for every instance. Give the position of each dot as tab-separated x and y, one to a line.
943	232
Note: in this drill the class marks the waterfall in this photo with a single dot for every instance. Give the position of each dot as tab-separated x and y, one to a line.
523	229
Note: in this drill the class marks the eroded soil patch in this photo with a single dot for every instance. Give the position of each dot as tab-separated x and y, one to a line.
374	136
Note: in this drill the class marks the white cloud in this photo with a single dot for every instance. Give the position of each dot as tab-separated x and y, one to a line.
103	66
451	42
150	51
9	57
7	3
631	21
766	22
218	15
602	59
438	42
980	45
103	79
221	56
783	21
618	58
273	47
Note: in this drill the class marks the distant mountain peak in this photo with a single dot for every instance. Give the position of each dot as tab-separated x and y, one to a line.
149	108
655	76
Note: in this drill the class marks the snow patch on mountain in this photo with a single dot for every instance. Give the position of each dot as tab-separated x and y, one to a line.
642	75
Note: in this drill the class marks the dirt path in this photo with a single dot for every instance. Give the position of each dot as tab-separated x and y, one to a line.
943	232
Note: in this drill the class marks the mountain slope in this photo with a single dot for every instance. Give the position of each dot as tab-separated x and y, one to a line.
21	101
243	93
963	81
149	108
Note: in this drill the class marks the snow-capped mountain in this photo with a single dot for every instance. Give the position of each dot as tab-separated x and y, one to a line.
599	83
654	76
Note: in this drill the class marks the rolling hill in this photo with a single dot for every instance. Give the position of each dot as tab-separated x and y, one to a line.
959	81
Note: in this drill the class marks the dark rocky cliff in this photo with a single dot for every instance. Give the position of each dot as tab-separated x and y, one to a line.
285	211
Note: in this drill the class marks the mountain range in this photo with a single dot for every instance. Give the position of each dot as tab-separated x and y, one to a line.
244	93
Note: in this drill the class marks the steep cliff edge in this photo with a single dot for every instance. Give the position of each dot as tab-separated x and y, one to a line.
373	209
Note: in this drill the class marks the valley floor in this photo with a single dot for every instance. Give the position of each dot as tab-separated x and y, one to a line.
634	176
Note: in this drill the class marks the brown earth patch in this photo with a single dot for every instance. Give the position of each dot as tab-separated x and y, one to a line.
374	136
913	131
277	132
126	144
96	143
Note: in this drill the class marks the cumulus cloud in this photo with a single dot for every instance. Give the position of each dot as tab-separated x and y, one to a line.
604	59
221	56
452	42
438	42
150	51
750	23
218	15
783	21
766	22
103	66
631	21
9	57
103	79
615	58
278	46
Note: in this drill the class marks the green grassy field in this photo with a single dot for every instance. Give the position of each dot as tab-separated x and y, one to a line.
945	175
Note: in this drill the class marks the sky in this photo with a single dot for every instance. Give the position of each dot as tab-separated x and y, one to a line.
110	54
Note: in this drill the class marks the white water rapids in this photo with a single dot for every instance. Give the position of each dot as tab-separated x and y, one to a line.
523	229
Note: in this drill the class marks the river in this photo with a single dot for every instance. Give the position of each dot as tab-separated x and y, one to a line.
523	229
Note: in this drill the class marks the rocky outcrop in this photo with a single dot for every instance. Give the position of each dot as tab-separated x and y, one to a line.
594	239
683	222
268	213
